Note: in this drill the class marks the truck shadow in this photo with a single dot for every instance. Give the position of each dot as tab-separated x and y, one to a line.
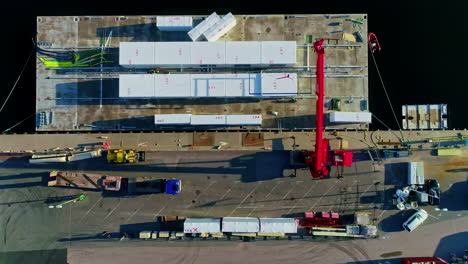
455	243
455	198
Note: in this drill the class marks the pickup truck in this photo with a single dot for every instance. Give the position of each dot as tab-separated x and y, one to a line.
143	185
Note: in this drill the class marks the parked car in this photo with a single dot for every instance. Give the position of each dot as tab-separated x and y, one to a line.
433	191
415	220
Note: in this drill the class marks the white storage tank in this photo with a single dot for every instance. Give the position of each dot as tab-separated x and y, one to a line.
174	23
172	119
202	225
240	224
350	117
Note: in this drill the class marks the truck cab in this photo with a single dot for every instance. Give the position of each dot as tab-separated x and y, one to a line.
173	186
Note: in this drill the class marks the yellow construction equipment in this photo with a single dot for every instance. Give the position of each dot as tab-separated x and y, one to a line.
125	156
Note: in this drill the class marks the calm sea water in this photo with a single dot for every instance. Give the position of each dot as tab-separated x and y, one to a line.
422	59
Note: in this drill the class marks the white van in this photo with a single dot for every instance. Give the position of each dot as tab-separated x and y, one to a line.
415	220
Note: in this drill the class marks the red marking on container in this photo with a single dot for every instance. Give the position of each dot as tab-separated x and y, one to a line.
180	51
272	61
137	52
281	51
219	117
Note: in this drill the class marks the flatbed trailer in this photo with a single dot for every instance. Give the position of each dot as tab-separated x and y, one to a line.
83	180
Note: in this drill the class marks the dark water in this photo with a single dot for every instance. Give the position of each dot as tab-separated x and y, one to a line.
423	57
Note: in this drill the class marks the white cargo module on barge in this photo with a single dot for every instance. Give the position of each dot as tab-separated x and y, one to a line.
350	117
172	119
193	54
207	85
220	28
199	29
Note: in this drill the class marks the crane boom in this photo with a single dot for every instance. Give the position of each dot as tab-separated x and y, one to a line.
318	160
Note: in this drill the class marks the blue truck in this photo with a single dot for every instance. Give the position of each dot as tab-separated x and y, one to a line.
143	185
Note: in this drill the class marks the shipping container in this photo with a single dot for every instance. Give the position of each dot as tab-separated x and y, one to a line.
240	224
199	29
136	85
220	28
137	54
449	152
351	117
172	119
278	225
238	85
203	53
244	120
274	84
208	120
174	23
278	52
416	173
243	52
85	155
202	225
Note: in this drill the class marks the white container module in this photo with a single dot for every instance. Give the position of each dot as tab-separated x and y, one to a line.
172	119
278	225
172	85
240	224
208	53
174	23
172	53
278	52
274	84
416	173
243	52
199	29
202	225
209	85
208	120
351	117
244	120
136	85
220	28
137	54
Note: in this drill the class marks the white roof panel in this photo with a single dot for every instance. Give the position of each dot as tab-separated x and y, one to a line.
174	23
199	29
172	119
208	53
136	54
274	84
172	53
172	85
208	120
278	225
240	224
244	120
220	28
279	52
211	85
136	85
202	225
243	52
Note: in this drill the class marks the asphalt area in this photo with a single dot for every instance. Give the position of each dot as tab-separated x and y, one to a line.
214	184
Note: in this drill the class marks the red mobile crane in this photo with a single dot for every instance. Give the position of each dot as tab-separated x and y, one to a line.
318	160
